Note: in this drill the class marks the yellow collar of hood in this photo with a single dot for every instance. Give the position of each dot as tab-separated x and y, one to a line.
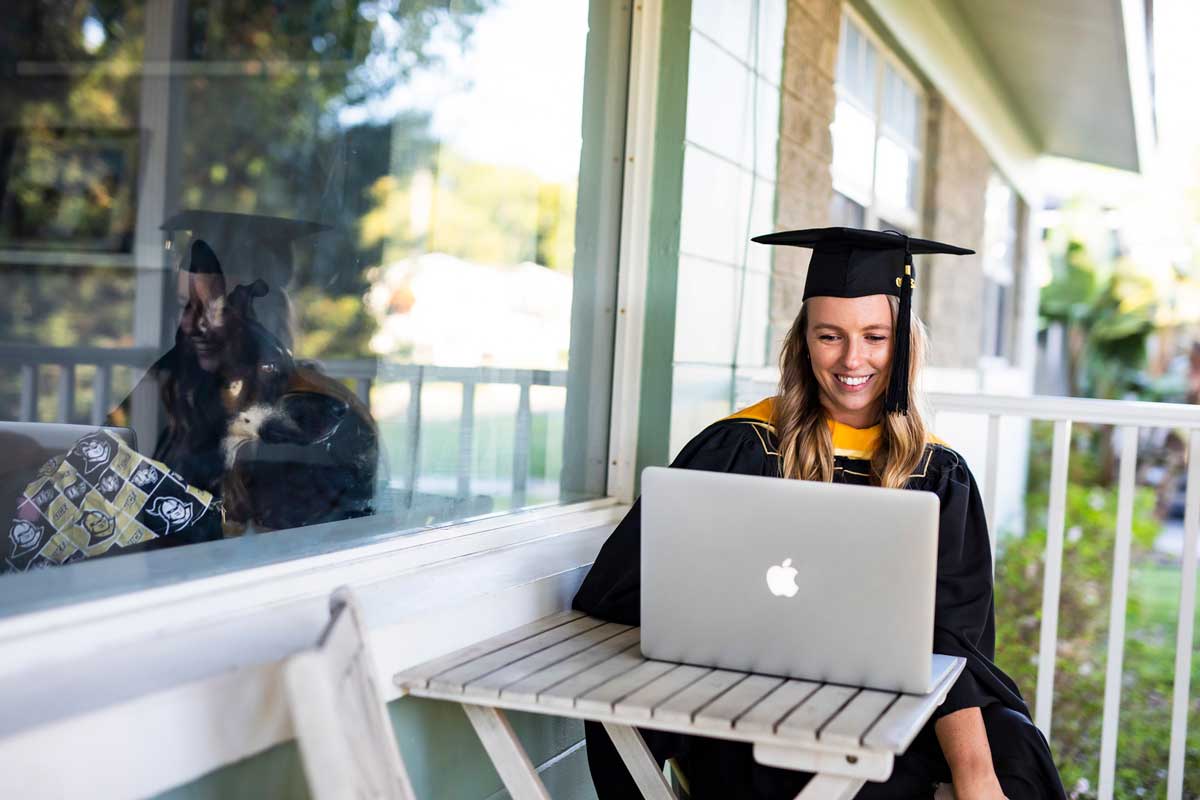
847	441
853	442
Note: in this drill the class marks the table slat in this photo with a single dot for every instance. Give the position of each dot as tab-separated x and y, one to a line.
581	685
901	723
601	698
683	706
491	684
458	677
420	674
767	713
804	722
853	721
529	688
720	714
641	703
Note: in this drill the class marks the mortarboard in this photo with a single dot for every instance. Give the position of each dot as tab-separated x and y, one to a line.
235	238
849	262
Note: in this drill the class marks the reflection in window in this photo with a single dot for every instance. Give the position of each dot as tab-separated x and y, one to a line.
876	130
311	261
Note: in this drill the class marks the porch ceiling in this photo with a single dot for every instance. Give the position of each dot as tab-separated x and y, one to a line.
1065	67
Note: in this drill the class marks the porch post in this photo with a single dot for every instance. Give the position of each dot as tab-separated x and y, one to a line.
160	115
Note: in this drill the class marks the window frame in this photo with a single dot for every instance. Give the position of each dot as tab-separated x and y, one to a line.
133	581
874	210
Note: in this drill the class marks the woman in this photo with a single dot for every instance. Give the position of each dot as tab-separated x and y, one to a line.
846	413
281	444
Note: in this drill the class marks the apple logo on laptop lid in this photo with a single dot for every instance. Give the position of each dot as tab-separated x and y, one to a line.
781	579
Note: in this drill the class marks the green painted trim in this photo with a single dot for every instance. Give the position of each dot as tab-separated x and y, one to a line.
597	251
658	342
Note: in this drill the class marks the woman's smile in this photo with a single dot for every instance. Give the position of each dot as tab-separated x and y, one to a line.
854	383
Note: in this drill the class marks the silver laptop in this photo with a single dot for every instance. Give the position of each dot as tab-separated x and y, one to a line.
802	579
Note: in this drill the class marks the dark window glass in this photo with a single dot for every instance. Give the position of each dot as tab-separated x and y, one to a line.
309	262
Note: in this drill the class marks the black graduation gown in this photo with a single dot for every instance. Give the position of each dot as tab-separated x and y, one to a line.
964	625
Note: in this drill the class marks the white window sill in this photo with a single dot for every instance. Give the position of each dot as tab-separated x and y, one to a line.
197	663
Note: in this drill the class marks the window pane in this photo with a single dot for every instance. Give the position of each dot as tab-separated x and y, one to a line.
896	175
319	258
856	65
845	213
900	109
1000	230
853	145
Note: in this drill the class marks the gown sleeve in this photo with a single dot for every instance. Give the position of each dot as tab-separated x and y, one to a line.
964	616
612	588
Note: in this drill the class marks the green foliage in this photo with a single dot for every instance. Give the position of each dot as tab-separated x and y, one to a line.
1083	625
1109	315
331	327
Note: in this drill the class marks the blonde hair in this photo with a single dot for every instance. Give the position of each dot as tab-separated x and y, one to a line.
805	442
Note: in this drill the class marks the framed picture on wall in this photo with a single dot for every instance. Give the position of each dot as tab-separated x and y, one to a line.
68	188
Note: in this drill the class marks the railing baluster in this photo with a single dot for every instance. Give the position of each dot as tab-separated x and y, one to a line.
1052	581
466	439
1187	611
101	393
66	392
414	436
1116	617
991	480
29	392
521	443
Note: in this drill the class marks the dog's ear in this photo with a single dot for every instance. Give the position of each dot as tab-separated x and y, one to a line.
243	296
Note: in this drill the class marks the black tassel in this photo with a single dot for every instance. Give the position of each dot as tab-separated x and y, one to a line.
896	401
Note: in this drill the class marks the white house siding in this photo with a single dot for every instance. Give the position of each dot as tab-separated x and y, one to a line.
729	182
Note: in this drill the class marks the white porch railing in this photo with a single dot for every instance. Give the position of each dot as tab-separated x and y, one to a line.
1129	418
29	361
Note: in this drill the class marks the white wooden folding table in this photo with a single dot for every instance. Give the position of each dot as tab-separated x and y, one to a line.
573	665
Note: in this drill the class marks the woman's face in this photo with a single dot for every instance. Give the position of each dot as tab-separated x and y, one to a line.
850	342
203	318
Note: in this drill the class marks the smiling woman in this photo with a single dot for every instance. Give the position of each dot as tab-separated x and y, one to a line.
847	412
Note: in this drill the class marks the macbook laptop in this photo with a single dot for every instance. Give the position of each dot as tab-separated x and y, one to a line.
802	579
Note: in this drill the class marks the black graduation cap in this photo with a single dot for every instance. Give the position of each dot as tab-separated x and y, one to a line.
849	262
241	240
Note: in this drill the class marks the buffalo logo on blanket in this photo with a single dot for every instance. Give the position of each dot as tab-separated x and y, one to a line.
98	525
110	484
174	512
96	451
145	476
25	536
44	498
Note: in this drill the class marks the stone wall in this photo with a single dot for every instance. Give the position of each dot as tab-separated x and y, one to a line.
804	183
950	288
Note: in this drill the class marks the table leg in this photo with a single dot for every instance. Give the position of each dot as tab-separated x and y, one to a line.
640	762
508	756
830	787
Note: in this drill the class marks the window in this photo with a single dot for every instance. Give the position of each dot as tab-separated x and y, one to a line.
999	268
309	262
876	135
